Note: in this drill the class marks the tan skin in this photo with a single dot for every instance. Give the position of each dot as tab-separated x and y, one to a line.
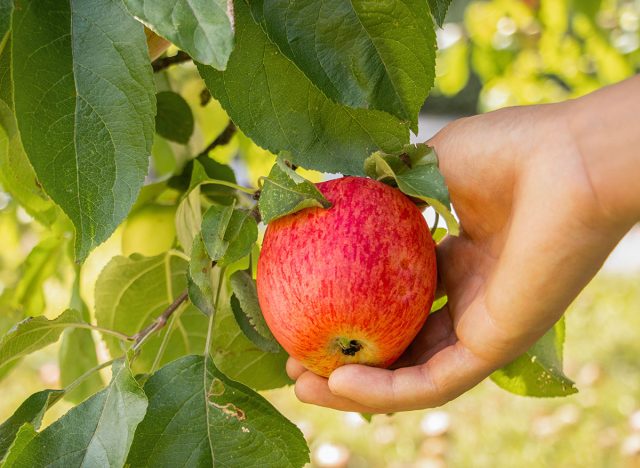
543	193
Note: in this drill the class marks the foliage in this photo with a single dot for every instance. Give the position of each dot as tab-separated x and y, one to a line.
94	136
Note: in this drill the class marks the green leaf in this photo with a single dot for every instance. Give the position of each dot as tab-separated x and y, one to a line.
25	435
439	9
214	226
247	312
414	170
42	262
197	416
32	334
85	108
6	8
242	360
280	108
200	27
228	234
538	372
30	411
199	279
132	291
77	355
361	53
189	211
285	192
174	119
16	174
98	432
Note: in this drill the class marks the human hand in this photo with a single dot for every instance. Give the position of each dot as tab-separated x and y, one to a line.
534	231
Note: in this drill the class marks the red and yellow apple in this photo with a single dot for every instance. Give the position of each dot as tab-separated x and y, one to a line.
350	284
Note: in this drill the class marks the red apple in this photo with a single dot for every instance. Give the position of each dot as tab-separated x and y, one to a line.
350	284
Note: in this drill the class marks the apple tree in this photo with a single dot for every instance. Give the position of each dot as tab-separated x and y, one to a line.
159	121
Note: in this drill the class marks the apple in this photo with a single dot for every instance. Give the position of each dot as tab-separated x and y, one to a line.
350	284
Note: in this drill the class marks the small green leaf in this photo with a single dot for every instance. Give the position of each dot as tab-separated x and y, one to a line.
285	192
367	416
280	108
199	278
98	432
85	106
414	170
538	372
30	411
42	262
32	334
214	226
174	119
439	9
247	312
131	292
197	415
203	28
25	435
241	234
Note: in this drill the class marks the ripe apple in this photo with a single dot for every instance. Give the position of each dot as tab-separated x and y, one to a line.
350	284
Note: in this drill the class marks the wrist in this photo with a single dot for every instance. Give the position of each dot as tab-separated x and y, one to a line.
604	133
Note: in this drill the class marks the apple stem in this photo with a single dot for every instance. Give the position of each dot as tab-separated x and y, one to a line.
349	347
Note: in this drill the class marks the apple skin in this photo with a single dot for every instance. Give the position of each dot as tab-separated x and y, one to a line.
350	284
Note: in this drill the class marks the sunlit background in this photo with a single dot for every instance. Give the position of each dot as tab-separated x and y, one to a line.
492	54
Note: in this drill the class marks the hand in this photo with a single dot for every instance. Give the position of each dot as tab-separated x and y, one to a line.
534	232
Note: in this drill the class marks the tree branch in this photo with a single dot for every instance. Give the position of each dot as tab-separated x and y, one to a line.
221	139
160	322
165	62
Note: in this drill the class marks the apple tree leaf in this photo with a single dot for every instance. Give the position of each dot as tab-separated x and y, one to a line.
98	432
363	54
538	372
247	312
228	233
280	108
34	333
174	119
439	9
85	105
132	291
30	411
285	192
414	171
197	415
239	358
199	278
6	8
203	28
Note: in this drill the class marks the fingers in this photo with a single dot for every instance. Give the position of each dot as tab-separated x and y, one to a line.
294	369
311	388
448	374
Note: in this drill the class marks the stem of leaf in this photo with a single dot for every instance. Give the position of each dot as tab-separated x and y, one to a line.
435	223
250	191
87	374
105	331
207	346
165	341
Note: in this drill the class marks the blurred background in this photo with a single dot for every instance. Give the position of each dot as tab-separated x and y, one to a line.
491	54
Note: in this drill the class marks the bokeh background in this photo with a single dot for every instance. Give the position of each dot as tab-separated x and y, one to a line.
491	54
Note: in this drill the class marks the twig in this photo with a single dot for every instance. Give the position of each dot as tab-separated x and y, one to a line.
221	139
165	62
158	323
87	374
